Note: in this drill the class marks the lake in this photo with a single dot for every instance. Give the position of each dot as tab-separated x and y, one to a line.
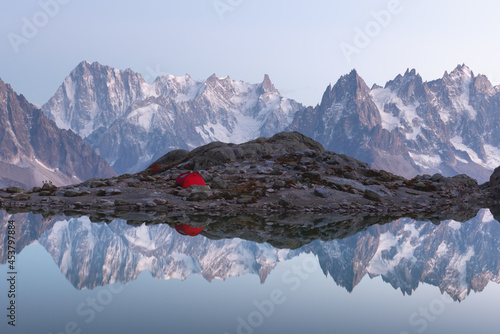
74	275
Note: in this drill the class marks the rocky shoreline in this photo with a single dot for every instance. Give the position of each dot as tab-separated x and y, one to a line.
287	173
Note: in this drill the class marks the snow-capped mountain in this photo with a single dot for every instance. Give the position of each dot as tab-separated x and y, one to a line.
91	254
456	257
410	127
131	123
93	96
33	149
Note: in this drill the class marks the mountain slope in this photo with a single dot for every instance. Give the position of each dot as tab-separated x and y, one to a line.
33	148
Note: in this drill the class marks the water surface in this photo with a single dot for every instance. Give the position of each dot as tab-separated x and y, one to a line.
407	276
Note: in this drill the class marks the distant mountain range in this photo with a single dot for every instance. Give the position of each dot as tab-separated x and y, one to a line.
456	257
33	149
409	127
131	123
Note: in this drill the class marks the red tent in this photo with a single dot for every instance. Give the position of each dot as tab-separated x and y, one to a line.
185	229
186	180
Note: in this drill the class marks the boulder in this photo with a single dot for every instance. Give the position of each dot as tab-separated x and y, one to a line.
13	190
320	192
72	193
372	196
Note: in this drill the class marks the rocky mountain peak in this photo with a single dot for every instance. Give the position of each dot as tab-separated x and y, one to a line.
411	72
180	88
460	73
348	86
267	86
93	96
214	79
482	85
211	79
223	87
409	87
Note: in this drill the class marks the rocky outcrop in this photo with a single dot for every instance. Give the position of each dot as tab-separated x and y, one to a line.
288	172
217	153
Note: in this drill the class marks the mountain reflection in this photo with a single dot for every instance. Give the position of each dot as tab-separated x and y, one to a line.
456	257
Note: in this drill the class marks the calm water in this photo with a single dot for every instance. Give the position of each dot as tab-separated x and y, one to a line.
75	276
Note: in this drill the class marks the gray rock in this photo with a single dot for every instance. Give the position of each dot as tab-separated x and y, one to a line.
160	201
245	199
21	197
112	192
199	196
284	203
72	193
219	184
278	184
320	192
13	190
372	196
121	202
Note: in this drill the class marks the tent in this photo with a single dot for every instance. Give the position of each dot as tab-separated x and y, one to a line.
186	180
185	229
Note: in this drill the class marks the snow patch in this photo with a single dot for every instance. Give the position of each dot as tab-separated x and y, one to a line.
453	224
442	249
141	238
412	229
380	266
487	216
382	97
459	263
144	116
53	170
426	161
245	128
492	152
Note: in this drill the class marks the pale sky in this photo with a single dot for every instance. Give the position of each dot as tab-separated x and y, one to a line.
298	43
